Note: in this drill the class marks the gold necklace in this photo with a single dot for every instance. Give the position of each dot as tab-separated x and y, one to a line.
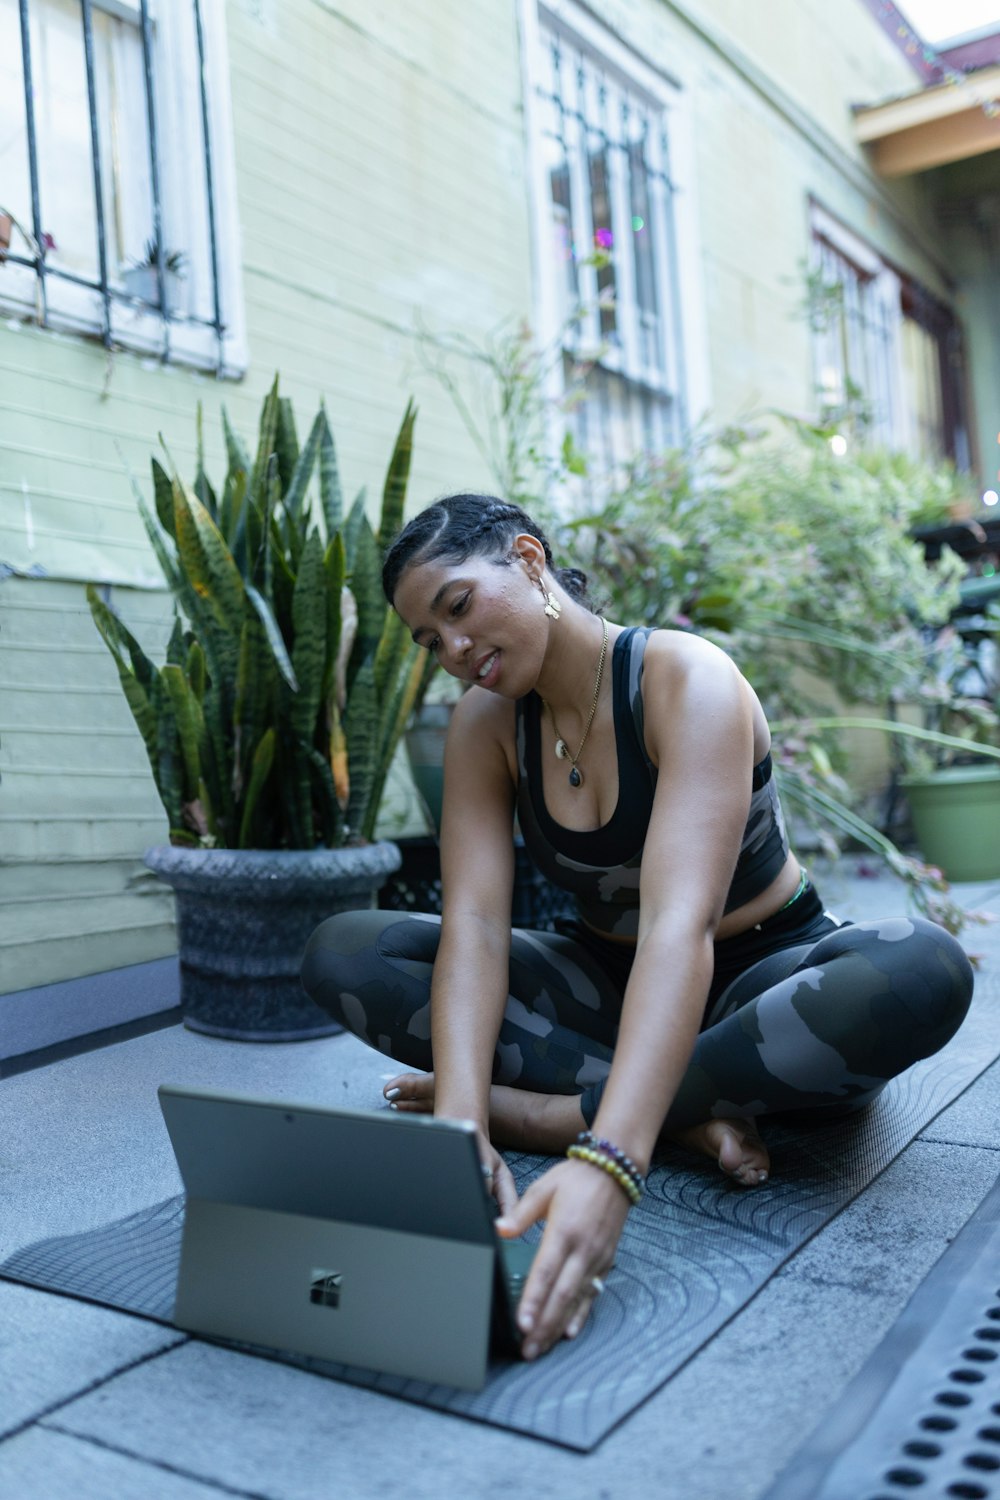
562	749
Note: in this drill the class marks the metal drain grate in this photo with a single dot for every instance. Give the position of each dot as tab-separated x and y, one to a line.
922	1417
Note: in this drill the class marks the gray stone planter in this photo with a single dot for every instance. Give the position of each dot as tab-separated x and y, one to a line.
244	917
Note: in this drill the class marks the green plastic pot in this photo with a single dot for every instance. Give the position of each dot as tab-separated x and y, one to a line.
956	820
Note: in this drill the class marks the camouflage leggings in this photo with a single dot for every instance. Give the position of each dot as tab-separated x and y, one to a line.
804	1012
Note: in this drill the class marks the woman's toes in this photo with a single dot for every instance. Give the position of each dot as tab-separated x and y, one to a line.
743	1156
411	1092
406	1085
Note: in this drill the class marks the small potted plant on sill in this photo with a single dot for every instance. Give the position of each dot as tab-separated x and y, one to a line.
8	223
272	724
142	279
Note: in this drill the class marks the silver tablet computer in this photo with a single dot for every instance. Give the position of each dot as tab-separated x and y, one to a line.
363	1238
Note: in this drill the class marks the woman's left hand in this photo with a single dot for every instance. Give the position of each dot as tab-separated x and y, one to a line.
584	1210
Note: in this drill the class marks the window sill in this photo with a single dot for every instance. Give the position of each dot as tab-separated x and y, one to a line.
134	326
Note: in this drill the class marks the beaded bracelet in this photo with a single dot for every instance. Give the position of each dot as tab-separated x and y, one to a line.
586	1138
609	1165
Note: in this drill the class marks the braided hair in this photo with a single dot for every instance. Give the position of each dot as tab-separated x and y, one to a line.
463	526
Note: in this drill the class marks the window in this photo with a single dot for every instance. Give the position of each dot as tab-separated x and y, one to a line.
116	168
933	382
609	276
888	353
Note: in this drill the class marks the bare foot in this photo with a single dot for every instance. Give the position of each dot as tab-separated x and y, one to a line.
734	1144
411	1093
518	1118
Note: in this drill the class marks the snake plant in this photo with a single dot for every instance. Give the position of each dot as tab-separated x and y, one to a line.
288	681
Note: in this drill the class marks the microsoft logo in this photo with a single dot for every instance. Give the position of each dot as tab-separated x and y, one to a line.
324	1287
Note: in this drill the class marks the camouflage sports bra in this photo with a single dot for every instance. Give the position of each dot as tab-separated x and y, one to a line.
600	867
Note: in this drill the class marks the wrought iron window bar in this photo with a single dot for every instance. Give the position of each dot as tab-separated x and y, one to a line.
599	135
111	294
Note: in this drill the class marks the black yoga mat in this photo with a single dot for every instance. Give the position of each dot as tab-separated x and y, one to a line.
694	1252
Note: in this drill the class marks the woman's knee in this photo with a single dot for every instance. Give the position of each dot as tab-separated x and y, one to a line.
948	972
339	940
348	966
916	962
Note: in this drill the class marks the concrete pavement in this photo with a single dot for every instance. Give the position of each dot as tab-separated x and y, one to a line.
94	1402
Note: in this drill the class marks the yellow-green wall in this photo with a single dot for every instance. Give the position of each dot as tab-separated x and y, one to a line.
770	87
379	160
382	182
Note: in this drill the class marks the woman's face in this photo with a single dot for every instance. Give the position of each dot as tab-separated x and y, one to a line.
483	619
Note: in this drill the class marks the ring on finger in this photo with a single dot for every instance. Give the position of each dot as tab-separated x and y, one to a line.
597	1284
487	1172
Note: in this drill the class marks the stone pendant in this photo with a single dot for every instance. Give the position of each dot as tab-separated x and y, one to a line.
575	779
561	752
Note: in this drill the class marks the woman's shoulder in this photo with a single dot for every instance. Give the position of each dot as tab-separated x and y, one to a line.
688	679
671	651
483	727
480	760
482	712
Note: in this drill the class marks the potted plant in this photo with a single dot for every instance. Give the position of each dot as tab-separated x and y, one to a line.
271	726
801	563
952	788
142	277
424	741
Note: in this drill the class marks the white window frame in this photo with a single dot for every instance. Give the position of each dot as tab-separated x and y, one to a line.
898	419
882	290
134	324
680	300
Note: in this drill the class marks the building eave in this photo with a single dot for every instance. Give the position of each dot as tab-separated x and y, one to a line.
933	126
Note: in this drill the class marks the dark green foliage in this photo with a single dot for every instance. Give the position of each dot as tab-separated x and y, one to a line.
800	562
252	735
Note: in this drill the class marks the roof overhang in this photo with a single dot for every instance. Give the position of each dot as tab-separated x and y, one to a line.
935	125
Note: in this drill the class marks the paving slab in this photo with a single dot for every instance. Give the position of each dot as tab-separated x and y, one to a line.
861	886
923	1408
48	1014
83	1141
53	1348
45	1464
974	1118
901	1224
297	1437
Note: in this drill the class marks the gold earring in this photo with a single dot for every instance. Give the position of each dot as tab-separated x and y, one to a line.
552	606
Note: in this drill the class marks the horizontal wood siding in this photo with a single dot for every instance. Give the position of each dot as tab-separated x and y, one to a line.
380	179
77	802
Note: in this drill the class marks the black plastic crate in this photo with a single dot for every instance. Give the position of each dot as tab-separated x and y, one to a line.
416	886
536	902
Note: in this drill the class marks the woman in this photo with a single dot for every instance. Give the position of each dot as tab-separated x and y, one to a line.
703	985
